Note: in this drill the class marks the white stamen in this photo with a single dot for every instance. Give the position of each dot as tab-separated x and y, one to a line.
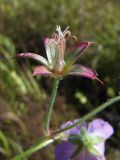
65	29
58	29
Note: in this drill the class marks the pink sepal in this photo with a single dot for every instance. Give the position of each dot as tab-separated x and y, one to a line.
41	70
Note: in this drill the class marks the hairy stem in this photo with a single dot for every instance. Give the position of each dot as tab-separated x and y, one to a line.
41	144
50	106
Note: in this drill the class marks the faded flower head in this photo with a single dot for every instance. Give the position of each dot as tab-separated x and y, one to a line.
84	142
61	60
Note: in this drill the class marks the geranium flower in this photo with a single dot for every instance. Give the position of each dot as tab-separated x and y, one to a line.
59	61
84	142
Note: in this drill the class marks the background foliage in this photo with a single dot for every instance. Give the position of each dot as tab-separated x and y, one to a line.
23	98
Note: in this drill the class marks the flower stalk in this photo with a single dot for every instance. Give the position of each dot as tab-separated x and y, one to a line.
43	142
50	106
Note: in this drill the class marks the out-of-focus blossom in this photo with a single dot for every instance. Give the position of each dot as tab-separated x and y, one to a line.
84	142
61	60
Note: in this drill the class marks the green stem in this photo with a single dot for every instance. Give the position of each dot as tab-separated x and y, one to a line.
42	143
91	114
50	105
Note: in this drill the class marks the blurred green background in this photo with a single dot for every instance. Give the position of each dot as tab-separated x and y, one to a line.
24	98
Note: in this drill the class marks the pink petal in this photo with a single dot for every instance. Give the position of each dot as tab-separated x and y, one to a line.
81	47
84	71
33	56
41	70
100	128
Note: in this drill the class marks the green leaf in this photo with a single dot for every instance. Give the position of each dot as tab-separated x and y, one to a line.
5	142
75	139
96	139
93	150
90	141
